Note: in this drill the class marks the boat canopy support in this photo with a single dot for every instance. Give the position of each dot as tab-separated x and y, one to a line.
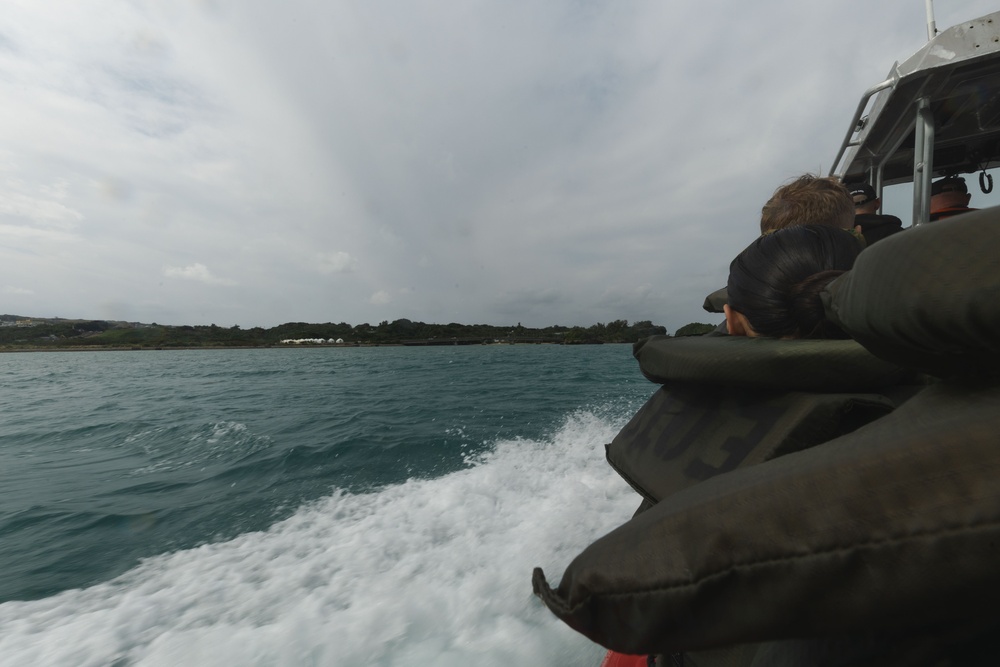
857	123
923	165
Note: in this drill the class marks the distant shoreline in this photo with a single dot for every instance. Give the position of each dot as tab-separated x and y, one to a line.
21	334
101	348
193	348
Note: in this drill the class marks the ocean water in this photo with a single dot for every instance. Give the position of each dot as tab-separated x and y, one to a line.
332	506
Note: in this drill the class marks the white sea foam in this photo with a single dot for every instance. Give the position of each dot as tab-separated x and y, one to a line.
430	572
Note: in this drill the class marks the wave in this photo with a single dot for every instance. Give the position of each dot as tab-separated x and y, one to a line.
429	571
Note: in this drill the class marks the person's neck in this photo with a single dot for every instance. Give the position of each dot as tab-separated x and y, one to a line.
949	200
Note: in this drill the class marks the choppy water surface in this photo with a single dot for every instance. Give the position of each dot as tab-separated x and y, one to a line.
326	506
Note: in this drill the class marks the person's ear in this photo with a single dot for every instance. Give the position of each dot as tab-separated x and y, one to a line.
736	323
968	198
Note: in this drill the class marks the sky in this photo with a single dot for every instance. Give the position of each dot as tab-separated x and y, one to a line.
567	162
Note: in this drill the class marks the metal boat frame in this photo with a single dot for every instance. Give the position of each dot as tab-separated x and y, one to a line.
935	114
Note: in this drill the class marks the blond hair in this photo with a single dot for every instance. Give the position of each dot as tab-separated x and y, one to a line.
808	200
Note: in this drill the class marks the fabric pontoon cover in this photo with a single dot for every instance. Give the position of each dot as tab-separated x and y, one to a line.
894	527
729	402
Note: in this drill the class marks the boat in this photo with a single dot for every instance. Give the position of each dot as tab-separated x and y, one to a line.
818	502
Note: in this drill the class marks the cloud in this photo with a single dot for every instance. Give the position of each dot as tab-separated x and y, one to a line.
337	262
197	272
550	163
34	234
43	210
9	289
631	297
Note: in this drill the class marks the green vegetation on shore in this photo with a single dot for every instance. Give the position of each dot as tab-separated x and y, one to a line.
40	333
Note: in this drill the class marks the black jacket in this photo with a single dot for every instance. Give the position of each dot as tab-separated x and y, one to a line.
875	227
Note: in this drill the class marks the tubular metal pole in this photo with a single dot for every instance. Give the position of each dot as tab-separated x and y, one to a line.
931	26
878	186
923	162
857	117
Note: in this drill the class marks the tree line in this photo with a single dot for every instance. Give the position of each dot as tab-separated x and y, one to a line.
101	333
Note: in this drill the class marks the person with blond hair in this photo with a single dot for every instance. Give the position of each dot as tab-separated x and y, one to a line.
808	200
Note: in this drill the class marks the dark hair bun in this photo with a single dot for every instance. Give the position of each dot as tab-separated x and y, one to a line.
775	282
807	308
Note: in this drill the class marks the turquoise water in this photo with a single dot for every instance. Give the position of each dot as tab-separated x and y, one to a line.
310	506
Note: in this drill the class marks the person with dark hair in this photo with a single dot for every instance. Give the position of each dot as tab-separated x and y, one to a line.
949	196
874	225
775	283
806	200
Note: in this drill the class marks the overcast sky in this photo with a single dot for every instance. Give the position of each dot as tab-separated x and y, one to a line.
568	162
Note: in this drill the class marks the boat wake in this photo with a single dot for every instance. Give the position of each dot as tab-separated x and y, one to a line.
430	571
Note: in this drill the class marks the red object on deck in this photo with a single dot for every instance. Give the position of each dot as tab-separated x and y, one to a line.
613	659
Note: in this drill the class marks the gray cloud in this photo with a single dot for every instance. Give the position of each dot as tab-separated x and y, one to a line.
197	272
550	163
